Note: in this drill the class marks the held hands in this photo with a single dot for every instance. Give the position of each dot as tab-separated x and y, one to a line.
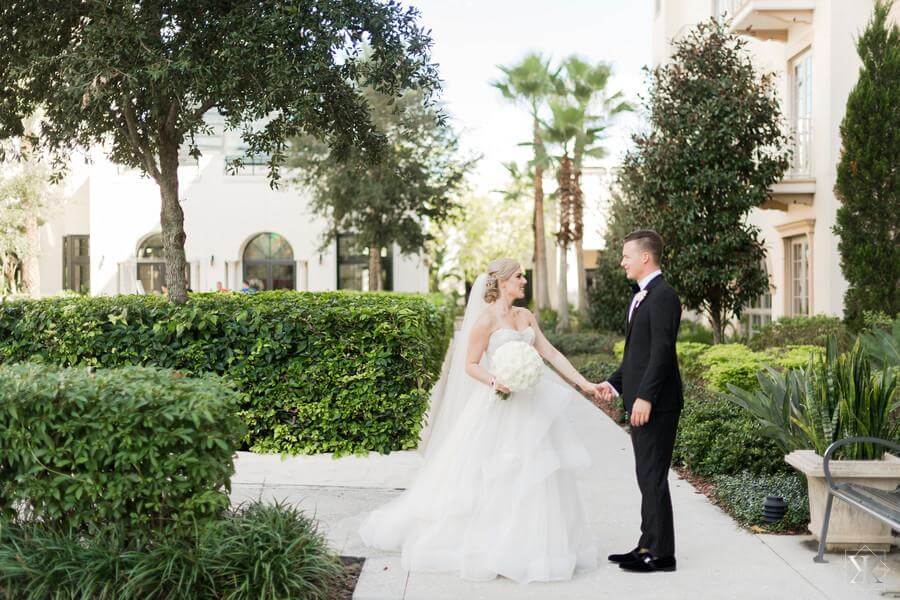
640	412
604	391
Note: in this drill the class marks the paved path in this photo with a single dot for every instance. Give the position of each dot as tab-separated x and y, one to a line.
716	558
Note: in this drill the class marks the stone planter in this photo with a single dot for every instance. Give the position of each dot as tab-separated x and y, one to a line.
849	527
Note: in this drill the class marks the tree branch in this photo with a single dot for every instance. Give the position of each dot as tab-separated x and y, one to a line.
140	148
198	114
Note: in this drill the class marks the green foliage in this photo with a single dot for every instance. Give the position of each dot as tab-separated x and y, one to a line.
738	365
812	331
733	364
135	446
689	354
318	372
716	437
412	184
583	342
742	495
257	551
868	181
137	78
834	397
775	405
610	296
709	97
619	349
692	331
883	347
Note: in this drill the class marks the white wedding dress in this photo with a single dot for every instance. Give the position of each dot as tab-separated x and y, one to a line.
499	496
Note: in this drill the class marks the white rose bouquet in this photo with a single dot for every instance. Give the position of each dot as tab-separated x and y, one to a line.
517	365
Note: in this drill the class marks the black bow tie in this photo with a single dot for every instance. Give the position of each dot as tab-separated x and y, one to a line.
635	288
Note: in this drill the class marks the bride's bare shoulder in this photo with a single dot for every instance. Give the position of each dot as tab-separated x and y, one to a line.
484	322
525	315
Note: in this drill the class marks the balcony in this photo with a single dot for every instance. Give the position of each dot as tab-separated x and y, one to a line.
768	19
799	184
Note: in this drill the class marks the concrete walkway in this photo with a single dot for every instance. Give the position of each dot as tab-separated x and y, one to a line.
716	558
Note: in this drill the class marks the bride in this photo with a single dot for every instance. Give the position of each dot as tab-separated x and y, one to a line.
496	494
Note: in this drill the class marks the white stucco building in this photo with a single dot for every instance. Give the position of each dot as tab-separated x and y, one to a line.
810	46
104	239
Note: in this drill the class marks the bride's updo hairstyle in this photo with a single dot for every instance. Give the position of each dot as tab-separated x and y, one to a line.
497	271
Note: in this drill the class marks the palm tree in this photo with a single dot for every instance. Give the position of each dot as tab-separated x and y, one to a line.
562	131
585	84
530	82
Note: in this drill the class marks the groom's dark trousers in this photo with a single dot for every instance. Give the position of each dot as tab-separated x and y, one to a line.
649	370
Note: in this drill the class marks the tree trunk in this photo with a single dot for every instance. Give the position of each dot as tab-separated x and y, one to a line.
718	325
541	275
172	220
562	324
374	268
31	273
582	277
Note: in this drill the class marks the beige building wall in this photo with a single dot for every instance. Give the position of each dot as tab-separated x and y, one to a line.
810	46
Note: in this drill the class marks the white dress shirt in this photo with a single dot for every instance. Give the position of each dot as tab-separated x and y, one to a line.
643	285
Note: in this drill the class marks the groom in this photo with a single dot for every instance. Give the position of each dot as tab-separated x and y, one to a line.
650	384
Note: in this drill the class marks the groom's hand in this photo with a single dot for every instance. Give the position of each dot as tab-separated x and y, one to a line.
640	412
605	391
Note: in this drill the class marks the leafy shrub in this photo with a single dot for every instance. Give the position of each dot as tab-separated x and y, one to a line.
260	551
694	332
689	354
733	364
583	342
619	349
716	437
319	372
793	331
792	357
135	446
836	396
742	496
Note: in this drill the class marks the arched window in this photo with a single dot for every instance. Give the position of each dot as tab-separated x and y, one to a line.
151	265
269	263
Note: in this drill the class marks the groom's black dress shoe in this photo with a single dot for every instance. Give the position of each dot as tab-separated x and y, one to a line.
648	563
627	557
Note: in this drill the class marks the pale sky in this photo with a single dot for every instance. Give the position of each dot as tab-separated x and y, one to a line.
472	37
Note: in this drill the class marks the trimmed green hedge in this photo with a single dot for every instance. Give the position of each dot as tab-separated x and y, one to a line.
138	447
336	372
801	331
716	437
583	342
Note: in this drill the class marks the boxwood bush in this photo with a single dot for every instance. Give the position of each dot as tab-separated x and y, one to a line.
801	331
716	437
143	448
319	372
583	342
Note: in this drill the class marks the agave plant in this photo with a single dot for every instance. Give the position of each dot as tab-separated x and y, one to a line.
777	400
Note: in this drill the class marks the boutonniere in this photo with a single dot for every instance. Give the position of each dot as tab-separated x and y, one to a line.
639	297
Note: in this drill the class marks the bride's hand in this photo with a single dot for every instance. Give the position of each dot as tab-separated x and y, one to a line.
499	387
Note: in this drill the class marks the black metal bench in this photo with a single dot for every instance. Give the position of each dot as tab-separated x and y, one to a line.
884	505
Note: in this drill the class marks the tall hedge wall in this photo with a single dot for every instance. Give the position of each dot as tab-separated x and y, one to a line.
318	372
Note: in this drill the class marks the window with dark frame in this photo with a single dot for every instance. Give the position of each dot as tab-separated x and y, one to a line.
77	263
268	263
353	265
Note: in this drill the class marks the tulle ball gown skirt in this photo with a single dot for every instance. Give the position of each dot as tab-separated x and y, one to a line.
499	496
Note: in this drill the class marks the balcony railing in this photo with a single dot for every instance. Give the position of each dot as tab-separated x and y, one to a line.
801	144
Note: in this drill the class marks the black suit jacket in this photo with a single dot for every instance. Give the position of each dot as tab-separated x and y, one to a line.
649	368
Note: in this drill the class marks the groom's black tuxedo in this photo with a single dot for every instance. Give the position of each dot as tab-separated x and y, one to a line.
649	370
